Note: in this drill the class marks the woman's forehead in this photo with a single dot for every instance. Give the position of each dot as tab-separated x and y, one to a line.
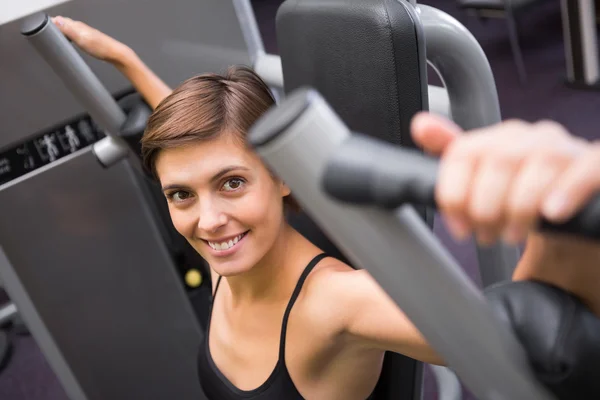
202	160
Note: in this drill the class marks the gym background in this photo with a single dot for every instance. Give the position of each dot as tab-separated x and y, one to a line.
543	94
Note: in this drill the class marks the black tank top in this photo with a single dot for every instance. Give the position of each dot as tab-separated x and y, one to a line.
278	386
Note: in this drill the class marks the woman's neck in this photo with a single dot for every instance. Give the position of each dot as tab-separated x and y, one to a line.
274	277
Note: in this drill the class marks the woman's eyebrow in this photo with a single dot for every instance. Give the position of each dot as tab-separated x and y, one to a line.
215	177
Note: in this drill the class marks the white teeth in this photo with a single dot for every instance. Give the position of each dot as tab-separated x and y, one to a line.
225	245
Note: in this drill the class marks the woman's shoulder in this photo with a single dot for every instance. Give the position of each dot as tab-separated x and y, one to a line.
329	289
332	275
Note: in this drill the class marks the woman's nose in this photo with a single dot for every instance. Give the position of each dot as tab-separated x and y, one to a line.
211	217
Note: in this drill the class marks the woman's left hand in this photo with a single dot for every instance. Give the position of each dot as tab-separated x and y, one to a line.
92	41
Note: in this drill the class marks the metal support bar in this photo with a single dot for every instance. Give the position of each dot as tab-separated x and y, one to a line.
448	384
7	313
473	98
249	27
39	330
581	43
268	67
439	103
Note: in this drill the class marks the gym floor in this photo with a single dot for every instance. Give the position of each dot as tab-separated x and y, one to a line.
28	376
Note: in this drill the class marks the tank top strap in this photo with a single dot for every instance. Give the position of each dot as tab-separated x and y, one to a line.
211	303
212	298
217	285
311	265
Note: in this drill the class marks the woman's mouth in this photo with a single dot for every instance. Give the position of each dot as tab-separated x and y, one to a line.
226	246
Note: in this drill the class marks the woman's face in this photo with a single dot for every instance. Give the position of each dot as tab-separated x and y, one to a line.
224	201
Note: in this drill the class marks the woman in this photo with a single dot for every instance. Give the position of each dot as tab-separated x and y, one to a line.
287	321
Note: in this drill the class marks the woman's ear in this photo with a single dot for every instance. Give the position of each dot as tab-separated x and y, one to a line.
284	189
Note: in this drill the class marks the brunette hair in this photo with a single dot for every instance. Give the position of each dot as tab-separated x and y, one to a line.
204	107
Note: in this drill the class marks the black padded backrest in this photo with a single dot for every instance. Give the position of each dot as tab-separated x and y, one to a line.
367	59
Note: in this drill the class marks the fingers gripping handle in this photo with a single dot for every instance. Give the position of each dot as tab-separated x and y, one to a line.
366	170
76	75
585	223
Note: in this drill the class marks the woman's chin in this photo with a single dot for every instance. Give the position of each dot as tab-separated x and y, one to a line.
230	268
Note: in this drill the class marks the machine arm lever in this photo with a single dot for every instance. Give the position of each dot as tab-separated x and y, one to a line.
366	170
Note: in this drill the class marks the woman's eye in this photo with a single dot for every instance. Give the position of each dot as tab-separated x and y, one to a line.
178	196
233	184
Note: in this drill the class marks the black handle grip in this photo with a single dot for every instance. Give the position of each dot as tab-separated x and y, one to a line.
366	170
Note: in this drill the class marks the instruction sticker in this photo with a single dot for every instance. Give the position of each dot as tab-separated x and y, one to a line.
4	166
